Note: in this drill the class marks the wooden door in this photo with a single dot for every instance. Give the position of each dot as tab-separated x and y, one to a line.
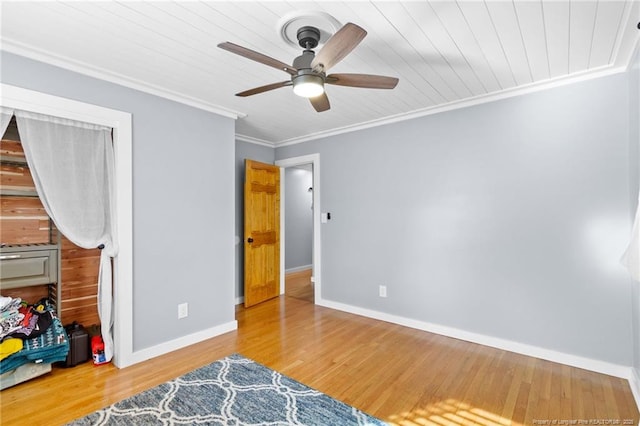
261	232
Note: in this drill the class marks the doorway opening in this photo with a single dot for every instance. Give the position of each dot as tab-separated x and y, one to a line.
298	231
42	103
300	258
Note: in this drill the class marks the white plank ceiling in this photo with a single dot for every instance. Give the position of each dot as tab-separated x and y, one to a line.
446	53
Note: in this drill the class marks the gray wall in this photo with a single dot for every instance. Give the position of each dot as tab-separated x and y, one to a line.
183	214
243	151
634	144
298	218
506	219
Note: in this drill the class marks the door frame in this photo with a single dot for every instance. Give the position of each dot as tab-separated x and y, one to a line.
313	159
120	122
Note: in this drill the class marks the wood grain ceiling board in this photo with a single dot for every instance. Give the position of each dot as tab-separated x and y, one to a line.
431	65
530	19
582	17
481	26
505	24
458	29
556	16
605	31
445	53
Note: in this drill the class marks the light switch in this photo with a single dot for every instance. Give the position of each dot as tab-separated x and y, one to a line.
323	217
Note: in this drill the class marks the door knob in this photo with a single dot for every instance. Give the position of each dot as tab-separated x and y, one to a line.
249	240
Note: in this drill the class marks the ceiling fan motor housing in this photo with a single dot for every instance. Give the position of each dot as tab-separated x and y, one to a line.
308	37
304	61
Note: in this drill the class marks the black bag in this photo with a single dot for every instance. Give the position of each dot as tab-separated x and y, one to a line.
79	350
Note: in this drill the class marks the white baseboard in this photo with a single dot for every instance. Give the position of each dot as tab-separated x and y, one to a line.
298	268
634	382
598	366
181	342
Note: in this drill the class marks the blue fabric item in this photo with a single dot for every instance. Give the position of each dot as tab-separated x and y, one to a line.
52	346
232	391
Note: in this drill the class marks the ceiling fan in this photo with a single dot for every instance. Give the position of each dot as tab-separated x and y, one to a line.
308	73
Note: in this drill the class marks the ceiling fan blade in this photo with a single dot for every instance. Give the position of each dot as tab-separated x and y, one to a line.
265	88
362	80
321	102
338	46
258	57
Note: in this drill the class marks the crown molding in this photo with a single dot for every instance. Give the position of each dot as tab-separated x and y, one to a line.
255	141
635	52
463	103
85	69
31	52
632	7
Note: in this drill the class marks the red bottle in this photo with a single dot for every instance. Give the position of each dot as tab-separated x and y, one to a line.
97	349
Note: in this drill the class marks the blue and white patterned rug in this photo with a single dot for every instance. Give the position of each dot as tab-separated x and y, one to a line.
232	391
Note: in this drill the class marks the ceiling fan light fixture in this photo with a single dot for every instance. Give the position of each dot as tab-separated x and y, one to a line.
308	72
308	86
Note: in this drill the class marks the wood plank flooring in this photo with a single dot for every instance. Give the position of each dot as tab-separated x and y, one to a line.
403	376
298	284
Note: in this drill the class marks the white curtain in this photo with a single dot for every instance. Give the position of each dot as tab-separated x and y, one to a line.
631	258
5	118
73	166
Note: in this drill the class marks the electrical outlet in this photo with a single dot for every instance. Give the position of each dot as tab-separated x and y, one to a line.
382	291
183	310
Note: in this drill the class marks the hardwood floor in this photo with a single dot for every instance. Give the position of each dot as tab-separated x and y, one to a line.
401	375
298	284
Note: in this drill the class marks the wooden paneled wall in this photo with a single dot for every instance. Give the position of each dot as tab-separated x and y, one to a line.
79	272
23	220
15	176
